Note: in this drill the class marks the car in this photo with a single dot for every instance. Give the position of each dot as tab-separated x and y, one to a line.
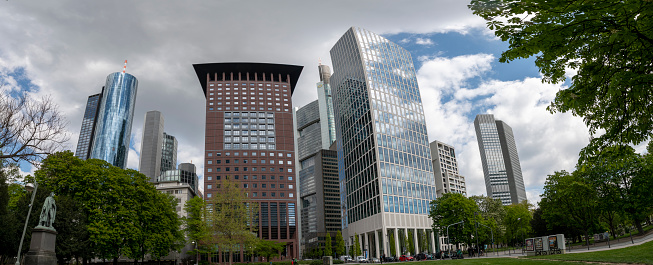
361	259
406	258
374	260
389	259
421	256
346	258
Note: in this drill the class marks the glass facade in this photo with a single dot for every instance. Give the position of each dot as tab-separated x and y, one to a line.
85	141
168	152
185	174
501	168
383	151
114	122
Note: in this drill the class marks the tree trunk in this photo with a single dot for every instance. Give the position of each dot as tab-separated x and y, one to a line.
587	239
640	229
115	261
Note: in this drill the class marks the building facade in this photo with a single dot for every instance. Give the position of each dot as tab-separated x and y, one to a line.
501	168
249	137
182	184
168	152
114	122
317	170
385	171
445	168
150	157
87	132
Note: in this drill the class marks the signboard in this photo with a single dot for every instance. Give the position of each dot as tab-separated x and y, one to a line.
539	244
553	242
529	245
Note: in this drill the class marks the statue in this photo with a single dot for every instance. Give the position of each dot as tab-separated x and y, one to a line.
48	213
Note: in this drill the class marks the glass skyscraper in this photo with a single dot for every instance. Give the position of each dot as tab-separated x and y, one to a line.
114	121
501	168
86	134
384	160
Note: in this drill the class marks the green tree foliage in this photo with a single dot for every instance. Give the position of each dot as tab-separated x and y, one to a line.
328	249
357	246
340	244
623	180
268	249
393	246
195	225
492	209
452	208
607	43
8	191
517	222
569	199
232	219
411	242
72	237
125	214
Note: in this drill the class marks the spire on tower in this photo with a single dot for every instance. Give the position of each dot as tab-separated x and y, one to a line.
124	68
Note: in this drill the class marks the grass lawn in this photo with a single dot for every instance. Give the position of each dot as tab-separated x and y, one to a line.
508	261
642	254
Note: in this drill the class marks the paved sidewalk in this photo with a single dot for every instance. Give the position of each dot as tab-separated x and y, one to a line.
622	243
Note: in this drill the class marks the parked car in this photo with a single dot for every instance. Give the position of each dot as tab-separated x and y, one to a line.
389	259
375	260
346	258
421	256
406	258
361	259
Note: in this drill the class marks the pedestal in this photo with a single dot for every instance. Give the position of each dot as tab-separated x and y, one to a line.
41	248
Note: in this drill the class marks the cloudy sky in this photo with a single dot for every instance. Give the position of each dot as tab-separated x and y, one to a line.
66	49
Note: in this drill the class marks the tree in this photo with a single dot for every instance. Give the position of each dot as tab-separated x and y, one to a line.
452	208
411	242
517	222
607	43
30	129
492	209
72	237
125	214
10	194
268	249
357	246
393	247
328	250
232	219
340	244
195	224
568	199
623	180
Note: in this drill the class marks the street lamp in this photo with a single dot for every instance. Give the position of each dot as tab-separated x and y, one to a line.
197	259
448	240
478	248
523	240
20	247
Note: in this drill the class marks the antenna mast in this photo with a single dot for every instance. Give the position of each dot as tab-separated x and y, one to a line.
124	68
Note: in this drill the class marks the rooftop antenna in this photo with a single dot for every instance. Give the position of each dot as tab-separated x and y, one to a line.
319	61
124	68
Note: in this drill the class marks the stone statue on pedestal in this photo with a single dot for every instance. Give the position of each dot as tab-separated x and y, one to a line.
44	236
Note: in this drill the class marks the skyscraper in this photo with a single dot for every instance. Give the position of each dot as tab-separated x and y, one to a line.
445	168
325	101
150	157
317	169
114	121
249	137
503	178
168	152
85	142
384	162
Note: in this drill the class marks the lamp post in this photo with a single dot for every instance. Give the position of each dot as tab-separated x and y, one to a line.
20	247
523	240
478	248
197	259
491	233
449	241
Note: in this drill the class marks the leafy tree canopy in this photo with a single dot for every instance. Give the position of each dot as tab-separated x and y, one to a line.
606	43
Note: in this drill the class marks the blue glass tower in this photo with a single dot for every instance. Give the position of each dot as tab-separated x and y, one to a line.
114	121
384	160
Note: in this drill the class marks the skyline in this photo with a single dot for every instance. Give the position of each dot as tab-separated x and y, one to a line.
65	49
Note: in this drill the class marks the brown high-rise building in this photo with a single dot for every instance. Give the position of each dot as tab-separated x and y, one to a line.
249	137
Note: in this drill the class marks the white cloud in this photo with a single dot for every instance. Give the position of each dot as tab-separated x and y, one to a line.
545	142
404	41
424	41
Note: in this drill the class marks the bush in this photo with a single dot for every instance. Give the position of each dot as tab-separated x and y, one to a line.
337	261
316	262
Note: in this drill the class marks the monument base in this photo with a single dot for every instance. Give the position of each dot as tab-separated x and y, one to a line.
41	248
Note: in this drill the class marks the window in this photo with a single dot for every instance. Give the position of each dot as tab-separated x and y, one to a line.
209	186
208	195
